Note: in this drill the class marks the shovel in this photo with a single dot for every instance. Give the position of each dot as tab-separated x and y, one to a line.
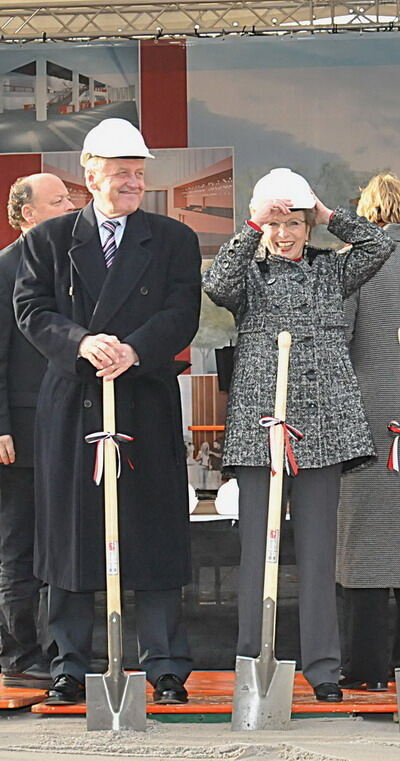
262	697
115	700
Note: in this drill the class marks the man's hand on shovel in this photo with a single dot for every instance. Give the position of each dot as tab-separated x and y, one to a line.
108	355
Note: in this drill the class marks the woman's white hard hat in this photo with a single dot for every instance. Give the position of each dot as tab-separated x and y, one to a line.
283	183
114	138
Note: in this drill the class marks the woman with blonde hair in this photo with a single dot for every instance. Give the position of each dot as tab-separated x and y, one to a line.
368	559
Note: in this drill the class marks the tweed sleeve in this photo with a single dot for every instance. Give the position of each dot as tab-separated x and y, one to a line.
225	281
370	248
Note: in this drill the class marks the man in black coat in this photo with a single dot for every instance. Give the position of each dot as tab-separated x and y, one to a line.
31	200
112	292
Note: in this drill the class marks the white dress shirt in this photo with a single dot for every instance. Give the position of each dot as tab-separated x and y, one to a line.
119	230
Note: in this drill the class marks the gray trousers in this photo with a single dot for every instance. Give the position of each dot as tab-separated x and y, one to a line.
313	495
23	630
162	642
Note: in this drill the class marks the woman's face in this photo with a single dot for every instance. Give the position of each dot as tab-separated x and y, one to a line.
286	234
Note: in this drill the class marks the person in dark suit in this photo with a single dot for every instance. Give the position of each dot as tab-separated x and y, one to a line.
118	301
31	200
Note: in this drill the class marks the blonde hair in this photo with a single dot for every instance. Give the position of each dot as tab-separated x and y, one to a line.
380	199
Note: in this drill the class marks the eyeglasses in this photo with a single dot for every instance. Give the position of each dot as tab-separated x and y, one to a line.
292	224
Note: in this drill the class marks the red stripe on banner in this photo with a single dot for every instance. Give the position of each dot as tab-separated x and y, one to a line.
163	95
186	357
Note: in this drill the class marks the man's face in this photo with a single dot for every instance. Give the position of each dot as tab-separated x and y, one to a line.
117	185
50	198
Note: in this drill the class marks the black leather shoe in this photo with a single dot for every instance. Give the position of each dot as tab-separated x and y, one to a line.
329	692
349	683
169	689
66	690
376	686
32	678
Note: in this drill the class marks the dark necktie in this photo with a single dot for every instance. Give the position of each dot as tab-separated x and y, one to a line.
109	245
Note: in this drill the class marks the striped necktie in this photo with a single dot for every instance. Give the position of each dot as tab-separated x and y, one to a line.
109	245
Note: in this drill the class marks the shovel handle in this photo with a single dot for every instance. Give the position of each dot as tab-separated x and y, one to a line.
276	481
111	503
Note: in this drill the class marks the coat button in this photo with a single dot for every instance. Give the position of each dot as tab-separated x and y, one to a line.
312	405
271	281
275	308
298	277
311	375
144	291
87	403
307	340
305	306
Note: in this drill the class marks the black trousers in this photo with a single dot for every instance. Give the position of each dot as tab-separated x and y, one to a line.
161	633
368	655
313	496
19	590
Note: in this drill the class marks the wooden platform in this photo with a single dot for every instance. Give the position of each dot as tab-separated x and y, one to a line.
211	698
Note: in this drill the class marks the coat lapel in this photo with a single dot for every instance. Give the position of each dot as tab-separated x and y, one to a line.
86	252
131	261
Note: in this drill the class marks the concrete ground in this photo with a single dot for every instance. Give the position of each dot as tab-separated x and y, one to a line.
21	133
26	737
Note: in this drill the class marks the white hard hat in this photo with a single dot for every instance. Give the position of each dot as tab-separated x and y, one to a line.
114	138
283	183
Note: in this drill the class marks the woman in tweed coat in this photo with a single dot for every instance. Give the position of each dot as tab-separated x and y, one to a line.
300	289
368	559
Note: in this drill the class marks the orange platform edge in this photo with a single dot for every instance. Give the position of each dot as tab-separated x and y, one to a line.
211	692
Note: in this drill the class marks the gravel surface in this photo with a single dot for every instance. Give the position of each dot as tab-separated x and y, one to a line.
25	737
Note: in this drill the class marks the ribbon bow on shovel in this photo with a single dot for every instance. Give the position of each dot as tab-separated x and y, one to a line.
289	432
393	459
99	437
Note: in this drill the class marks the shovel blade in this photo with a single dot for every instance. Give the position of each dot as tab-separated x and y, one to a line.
397	671
102	712
255	708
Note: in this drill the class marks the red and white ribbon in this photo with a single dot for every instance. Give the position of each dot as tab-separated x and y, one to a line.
99	437
289	432
393	459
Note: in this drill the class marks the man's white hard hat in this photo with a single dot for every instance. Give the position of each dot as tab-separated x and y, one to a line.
114	138
283	183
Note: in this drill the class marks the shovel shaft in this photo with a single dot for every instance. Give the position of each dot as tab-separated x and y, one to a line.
275	489
111	531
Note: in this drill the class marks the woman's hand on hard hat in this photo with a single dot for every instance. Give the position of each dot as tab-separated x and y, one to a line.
268	208
322	212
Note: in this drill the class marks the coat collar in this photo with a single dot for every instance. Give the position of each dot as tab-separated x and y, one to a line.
86	252
109	289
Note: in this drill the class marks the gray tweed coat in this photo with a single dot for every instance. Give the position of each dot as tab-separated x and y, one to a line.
305	298
369	512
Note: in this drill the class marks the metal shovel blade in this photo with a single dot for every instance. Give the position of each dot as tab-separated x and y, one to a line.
397	671
254	708
116	702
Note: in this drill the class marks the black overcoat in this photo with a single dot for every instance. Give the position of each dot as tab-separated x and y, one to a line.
150	299
21	366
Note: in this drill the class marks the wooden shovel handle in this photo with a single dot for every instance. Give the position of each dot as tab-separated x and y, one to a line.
111	502
276	481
